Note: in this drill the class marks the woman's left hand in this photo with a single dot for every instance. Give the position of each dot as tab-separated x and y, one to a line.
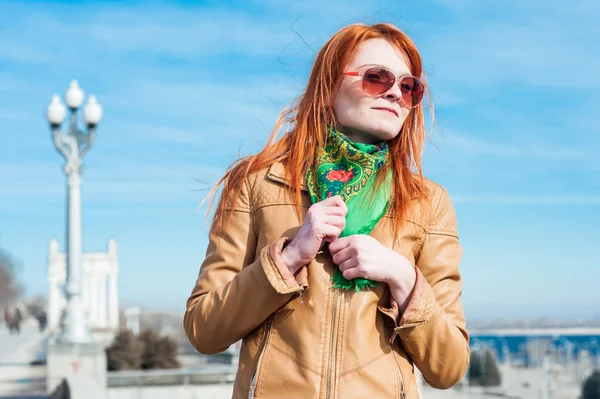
363	256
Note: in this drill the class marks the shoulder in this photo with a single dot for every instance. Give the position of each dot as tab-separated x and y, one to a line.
269	186
437	211
437	195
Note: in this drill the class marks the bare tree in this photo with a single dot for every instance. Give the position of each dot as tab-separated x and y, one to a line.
10	289
36	306
147	351
483	370
160	352
124	353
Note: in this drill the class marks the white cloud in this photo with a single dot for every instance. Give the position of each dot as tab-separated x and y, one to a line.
188	34
526	148
110	181
23	52
202	111
79	34
540	45
8	114
145	212
479	146
525	200
168	134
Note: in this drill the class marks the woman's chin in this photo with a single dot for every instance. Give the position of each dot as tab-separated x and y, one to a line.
382	133
372	134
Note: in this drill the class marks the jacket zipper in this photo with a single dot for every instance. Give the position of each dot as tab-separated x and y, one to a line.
332	344
258	362
400	371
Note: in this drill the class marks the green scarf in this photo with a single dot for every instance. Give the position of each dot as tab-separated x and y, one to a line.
349	169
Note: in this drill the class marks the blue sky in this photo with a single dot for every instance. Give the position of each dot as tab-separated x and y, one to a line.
185	88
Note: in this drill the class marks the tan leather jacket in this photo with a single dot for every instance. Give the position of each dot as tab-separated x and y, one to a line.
303	339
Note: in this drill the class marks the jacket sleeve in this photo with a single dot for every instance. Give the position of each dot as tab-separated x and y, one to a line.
237	289
433	327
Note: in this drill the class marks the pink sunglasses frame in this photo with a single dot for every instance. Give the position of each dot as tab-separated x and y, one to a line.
397	81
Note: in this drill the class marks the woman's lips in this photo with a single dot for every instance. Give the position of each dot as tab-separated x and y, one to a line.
387	109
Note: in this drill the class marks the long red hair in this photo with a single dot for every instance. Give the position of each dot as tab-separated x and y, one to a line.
305	123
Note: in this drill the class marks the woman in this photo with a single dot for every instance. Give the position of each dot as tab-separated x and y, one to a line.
331	257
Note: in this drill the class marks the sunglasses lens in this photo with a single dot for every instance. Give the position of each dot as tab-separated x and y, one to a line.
412	91
377	81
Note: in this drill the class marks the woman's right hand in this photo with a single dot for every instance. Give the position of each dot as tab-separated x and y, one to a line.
324	222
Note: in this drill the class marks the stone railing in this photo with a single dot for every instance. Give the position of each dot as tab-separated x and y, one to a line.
214	374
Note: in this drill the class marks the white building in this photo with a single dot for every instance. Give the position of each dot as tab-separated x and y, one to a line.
99	287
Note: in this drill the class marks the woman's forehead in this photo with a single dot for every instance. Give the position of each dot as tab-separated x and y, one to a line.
380	52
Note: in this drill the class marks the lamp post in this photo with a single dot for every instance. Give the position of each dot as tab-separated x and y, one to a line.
73	143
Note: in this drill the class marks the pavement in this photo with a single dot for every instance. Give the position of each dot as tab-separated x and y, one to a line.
18	377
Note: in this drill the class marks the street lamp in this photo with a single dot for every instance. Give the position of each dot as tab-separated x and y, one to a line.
73	144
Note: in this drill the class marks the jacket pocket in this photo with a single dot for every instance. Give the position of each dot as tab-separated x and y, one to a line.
255	376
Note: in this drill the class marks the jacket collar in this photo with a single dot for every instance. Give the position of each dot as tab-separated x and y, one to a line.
277	173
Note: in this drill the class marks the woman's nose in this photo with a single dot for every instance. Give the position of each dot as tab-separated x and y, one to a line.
393	94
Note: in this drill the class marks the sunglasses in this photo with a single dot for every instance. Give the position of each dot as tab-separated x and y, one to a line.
376	80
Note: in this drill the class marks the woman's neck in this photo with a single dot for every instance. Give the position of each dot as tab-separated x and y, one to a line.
358	136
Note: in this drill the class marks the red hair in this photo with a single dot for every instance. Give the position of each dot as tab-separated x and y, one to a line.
306	122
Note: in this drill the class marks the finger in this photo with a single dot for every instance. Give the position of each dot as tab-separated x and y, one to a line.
339	244
330	232
339	221
331	200
341	256
353	273
336	201
336	211
347	264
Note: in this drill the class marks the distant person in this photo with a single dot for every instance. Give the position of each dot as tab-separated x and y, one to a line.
7	317
17	319
13	320
330	256
42	320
